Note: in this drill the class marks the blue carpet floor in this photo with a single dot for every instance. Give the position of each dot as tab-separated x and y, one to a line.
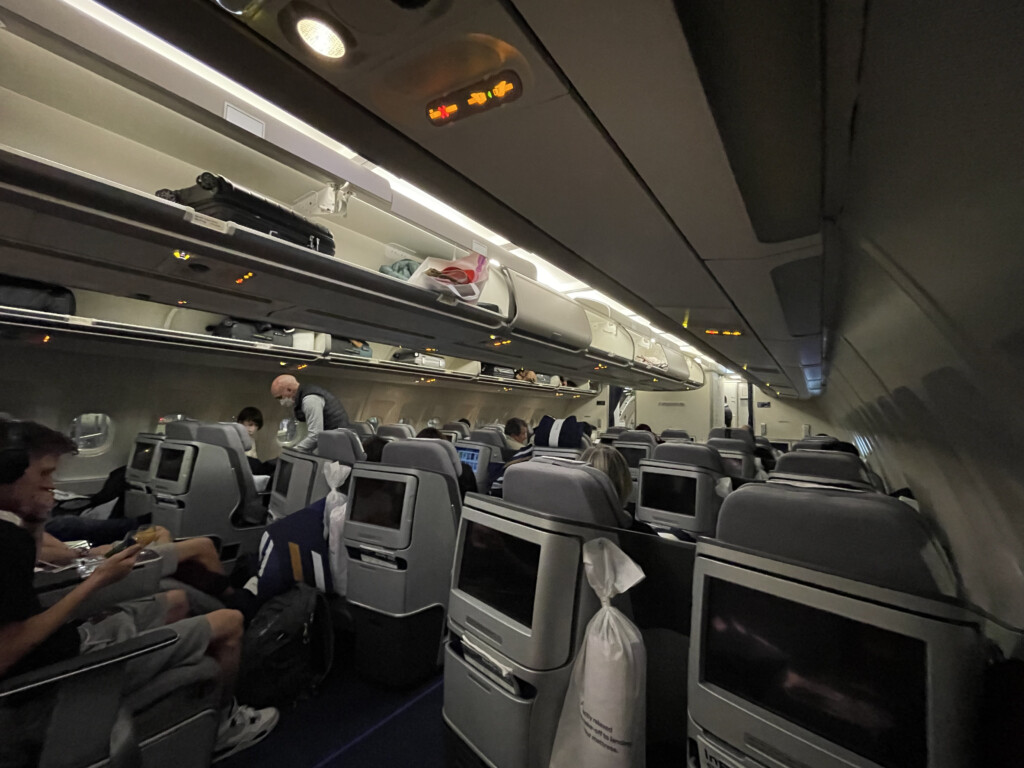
352	723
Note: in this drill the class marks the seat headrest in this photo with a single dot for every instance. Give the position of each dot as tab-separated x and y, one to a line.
340	445
185	429
565	488
729	444
362	428
457	426
558	433
614	430
487	437
675	434
226	434
818	443
691	454
637	436
824	465
762	441
859	535
398	431
733	434
424	453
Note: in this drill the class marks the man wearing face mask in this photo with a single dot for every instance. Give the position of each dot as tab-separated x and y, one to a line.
315	406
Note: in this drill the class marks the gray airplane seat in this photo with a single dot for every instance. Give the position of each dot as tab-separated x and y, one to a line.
635	446
519	605
733	433
363	429
203	487
676	435
183	429
680	489
822	467
299	480
138	474
457	426
400	538
73	713
480	457
763	442
737	456
392	432
566	489
860	535
488	437
816	443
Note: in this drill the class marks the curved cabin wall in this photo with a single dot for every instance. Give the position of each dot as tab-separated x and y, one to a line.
927	362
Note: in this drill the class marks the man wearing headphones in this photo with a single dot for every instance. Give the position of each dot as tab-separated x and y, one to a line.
31	637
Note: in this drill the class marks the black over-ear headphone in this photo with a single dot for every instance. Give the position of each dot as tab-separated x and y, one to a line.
14	458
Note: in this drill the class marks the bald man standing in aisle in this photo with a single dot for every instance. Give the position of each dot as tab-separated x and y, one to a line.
314	405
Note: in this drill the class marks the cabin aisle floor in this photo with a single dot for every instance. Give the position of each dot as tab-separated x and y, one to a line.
353	723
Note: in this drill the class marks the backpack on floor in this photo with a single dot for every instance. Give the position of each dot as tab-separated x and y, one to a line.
287	650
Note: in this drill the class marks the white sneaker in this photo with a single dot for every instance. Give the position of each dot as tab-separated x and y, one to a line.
245	727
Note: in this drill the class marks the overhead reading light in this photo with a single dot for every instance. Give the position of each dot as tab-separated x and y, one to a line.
321	37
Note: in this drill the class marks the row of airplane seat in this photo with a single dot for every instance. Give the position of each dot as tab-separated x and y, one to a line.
809	589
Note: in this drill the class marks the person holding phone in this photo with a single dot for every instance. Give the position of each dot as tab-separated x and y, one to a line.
32	637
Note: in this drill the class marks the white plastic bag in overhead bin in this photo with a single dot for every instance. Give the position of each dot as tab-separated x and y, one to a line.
335	512
605	710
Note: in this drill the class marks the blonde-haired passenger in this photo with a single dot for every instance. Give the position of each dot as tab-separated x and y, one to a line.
608	460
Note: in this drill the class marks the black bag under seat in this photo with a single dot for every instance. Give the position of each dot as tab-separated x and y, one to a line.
288	648
220	198
32	294
247	330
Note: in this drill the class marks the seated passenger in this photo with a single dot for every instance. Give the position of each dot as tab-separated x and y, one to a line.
31	637
608	460
517	433
373	447
466	422
312	405
467	479
252	419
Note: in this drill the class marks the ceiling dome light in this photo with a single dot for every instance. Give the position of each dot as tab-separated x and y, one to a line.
321	38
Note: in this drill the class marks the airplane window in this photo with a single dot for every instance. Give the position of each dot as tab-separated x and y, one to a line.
287	431
434	422
92	433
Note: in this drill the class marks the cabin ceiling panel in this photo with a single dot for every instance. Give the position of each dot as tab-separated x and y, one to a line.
935	184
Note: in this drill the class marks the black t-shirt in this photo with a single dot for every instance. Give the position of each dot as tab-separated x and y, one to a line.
18	600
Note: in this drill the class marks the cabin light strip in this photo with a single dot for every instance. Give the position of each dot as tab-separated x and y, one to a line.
547	273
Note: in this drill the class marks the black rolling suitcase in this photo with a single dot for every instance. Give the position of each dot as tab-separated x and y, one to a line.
216	196
501	371
229	328
31	294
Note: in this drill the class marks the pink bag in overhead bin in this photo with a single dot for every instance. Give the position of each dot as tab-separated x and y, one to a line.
464	278
604	715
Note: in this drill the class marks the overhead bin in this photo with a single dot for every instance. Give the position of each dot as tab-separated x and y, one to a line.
609	341
80	230
546	315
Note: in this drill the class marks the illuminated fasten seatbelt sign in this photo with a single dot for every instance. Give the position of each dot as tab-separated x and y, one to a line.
479	97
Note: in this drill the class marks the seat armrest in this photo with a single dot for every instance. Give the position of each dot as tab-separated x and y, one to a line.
70	668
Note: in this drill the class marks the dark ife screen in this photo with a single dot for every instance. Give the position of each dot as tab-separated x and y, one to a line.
142	459
501	571
470	456
170	463
632	455
378	502
854	684
669	493
284	477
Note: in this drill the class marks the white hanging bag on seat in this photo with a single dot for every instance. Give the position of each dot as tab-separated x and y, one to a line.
605	710
335	512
